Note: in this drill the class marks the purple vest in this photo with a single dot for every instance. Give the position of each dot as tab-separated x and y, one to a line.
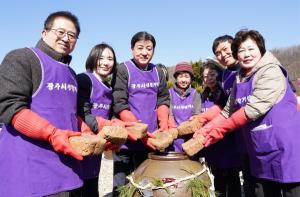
223	154
273	139
182	108
206	105
142	89
100	99
228	79
31	167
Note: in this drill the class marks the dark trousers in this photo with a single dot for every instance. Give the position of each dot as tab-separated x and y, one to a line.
290	189
71	193
266	188
249	180
125	162
90	188
227	182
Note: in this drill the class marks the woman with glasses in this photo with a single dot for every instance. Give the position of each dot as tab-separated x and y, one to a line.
222	157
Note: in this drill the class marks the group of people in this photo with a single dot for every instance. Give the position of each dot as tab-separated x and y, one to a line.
248	111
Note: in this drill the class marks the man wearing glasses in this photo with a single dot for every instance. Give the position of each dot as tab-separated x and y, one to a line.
38	109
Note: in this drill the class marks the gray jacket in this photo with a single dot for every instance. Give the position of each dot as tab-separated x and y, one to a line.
269	86
20	77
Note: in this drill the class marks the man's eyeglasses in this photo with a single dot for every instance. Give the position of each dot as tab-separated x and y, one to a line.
60	33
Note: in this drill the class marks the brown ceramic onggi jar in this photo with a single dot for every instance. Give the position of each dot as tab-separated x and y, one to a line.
168	168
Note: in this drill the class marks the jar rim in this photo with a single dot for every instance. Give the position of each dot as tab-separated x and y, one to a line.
167	156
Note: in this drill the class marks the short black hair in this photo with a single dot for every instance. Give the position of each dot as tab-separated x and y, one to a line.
65	14
142	35
219	40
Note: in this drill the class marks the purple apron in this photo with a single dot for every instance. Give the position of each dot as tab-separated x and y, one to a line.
100	99
142	89
182	108
273	139
223	154
31	167
228	79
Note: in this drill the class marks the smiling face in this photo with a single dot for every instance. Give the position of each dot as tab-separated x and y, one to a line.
224	54
105	63
142	52
183	80
65	44
248	54
210	77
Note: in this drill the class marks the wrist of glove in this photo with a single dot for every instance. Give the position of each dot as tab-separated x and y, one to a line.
83	127
163	125
171	122
163	116
34	126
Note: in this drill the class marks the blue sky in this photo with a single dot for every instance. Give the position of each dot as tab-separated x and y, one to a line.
184	30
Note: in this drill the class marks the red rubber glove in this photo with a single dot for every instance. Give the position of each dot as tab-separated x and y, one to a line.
236	120
102	122
32	125
113	147
83	127
127	116
298	102
120	123
208	126
163	117
146	142
208	115
171	122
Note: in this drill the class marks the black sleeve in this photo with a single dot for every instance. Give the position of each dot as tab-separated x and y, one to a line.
84	103
197	103
292	86
20	76
220	98
163	97
120	89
